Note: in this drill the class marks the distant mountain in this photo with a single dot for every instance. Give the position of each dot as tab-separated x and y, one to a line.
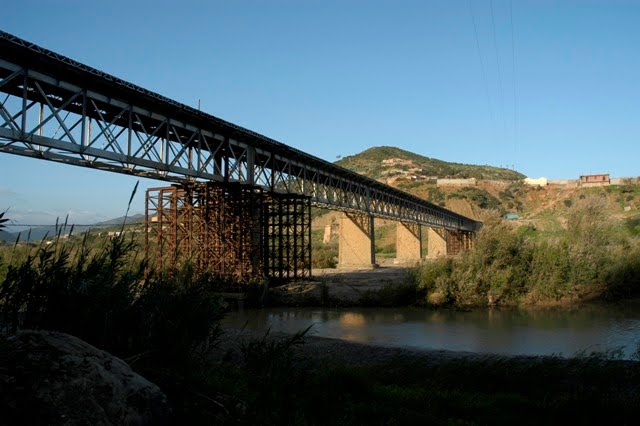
5	236
131	220
380	161
40	232
36	234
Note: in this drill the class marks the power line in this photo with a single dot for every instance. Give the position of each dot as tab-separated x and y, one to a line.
484	77
495	45
515	97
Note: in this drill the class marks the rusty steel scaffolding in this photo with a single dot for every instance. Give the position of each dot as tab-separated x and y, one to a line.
287	236
459	241
229	229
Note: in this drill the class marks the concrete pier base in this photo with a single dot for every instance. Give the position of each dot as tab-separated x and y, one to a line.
408	243
437	243
357	242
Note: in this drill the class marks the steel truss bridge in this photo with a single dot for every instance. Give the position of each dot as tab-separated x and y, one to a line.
55	108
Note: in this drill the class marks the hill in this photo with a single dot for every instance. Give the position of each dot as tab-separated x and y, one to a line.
498	189
131	220
5	236
385	161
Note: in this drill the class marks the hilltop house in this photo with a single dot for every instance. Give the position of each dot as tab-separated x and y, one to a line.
392	161
536	182
595	180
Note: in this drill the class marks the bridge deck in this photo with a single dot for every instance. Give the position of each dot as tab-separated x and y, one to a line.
61	110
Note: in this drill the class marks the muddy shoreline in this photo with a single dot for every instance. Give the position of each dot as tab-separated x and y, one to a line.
341	287
315	350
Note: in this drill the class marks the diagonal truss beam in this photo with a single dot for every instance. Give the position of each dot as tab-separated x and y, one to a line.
113	125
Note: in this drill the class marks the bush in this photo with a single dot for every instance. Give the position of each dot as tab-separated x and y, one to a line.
633	225
105	299
508	266
479	197
323	255
271	375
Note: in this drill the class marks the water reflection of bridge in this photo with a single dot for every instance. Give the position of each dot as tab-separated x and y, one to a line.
241	201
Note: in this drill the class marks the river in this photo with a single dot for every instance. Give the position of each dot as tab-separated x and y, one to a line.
566	332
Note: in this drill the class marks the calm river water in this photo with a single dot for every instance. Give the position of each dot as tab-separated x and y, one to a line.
565	332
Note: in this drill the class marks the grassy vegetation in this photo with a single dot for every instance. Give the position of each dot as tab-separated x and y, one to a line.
274	381
590	259
165	326
633	225
323	255
104	297
478	197
384	237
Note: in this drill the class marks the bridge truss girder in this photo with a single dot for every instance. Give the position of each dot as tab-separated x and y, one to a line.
60	117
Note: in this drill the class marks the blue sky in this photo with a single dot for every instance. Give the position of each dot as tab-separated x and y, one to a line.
335	77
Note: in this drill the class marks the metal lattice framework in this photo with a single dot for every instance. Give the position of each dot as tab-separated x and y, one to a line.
55	108
287	236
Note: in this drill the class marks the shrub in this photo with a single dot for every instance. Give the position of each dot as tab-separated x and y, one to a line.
632	224
323	255
508	266
479	197
105	299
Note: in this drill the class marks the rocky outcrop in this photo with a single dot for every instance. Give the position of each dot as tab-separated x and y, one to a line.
57	379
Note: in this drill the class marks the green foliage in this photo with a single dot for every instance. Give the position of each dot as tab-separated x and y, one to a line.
479	197
105	299
270	374
509	266
435	196
323	255
277	387
568	202
632	224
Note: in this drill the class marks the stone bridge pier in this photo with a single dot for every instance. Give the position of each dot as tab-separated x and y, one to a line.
408	243
357	242
357	245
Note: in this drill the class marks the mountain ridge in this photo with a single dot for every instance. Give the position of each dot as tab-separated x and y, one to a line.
380	161
40	232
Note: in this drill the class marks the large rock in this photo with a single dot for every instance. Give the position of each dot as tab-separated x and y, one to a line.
54	378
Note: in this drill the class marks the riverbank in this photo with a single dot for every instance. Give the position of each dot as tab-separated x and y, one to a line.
382	286
604	327
285	379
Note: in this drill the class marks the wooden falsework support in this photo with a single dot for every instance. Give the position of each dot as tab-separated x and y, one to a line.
444	242
408	243
458	241
229	229
357	241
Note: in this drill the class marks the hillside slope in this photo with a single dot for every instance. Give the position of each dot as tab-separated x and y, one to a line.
497	189
384	161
